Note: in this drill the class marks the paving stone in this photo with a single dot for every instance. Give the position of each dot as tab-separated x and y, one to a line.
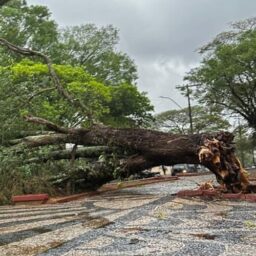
145	220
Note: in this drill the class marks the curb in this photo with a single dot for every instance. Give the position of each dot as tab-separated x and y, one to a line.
135	183
217	194
56	200
111	187
30	198
44	198
193	174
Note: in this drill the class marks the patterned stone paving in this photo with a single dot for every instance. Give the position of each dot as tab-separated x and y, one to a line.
146	220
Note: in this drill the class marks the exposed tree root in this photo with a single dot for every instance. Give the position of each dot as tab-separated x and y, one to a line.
218	154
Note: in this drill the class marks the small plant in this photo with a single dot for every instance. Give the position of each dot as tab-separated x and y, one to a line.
250	224
160	214
120	184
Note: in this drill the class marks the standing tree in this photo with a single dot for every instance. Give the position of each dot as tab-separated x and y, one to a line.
244	144
204	120
226	77
95	49
88	46
26	26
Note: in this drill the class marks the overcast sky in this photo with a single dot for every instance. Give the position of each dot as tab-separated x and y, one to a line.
160	35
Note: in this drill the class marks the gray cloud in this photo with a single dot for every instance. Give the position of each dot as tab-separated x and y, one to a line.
160	35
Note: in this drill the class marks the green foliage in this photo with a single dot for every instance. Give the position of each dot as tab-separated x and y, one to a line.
94	49
226	76
28	89
28	81
244	145
21	178
129	107
90	69
88	46
204	120
29	26
87	62
79	83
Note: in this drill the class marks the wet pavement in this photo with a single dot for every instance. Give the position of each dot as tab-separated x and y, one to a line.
145	220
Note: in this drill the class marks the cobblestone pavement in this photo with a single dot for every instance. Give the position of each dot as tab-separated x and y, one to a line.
147	220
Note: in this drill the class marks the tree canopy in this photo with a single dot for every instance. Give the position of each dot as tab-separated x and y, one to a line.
94	49
26	26
204	120
91	47
27	88
226	77
86	61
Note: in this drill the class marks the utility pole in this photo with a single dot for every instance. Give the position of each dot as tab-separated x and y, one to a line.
189	110
185	89
240	139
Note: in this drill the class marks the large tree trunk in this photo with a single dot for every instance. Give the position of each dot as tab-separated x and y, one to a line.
150	148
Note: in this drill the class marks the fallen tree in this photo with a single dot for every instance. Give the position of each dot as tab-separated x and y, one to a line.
150	148
144	148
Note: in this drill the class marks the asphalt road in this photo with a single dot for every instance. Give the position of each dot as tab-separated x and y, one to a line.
147	220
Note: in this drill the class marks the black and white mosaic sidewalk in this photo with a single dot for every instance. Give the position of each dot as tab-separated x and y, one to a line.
147	220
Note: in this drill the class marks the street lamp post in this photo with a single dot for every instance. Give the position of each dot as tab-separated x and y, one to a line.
189	106
169	98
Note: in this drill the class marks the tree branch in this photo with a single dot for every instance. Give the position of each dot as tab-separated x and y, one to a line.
86	152
51	126
242	104
40	92
213	101
43	140
62	91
